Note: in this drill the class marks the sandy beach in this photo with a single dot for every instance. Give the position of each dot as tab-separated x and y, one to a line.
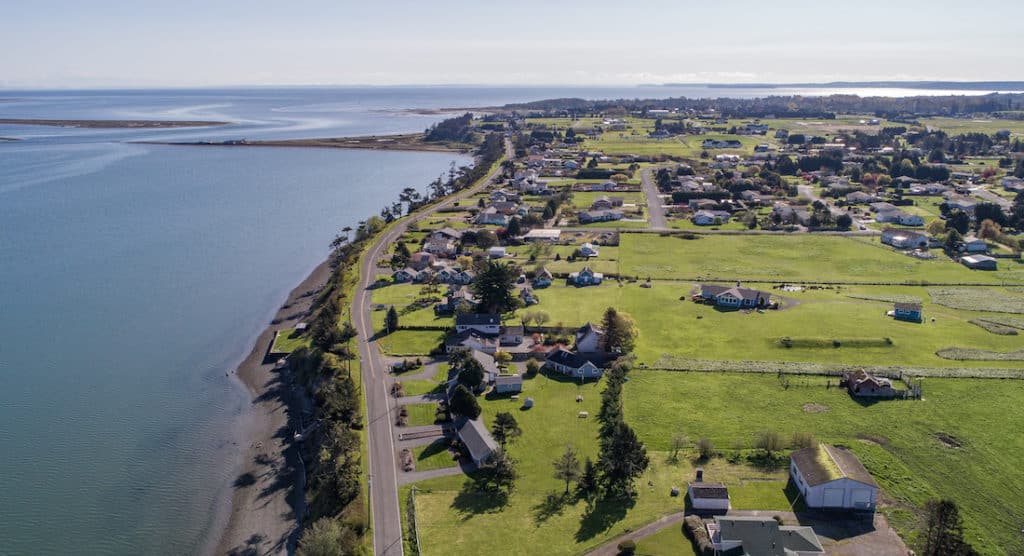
268	491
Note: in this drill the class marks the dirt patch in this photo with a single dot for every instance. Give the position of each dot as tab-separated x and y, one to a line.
948	440
874	439
815	408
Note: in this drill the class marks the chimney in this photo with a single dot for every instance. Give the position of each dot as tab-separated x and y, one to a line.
700	475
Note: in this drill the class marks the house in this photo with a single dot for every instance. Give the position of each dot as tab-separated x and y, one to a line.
421	260
832	477
550	235
973	244
447	234
589	216
589	338
490	215
528	297
723	144
478	440
882	207
710	217
707	496
440	247
905	239
542	279
586	277
907	311
761	536
734	296
448	274
860	198
588	250
472	340
486	324
458	299
511	335
605	202
965	204
862	384
504	384
979	262
496	252
750	196
571	364
1011	183
404	275
899	217
464	277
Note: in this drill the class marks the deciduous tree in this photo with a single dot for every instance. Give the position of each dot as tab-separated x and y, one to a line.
567	467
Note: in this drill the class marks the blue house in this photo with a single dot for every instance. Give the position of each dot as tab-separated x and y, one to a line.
542	279
586	277
908	311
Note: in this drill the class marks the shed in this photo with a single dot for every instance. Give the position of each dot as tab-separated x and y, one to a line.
979	262
478	440
832	477
508	383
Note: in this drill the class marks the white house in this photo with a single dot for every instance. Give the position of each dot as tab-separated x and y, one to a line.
709	217
496	252
504	384
904	239
588	250
572	364
588	338
707	496
482	323
832	477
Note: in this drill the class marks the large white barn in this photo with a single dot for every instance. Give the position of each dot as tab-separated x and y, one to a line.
832	477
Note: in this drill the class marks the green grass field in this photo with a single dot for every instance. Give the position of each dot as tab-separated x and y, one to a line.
668	542
289	340
410	342
432	456
798	258
895	440
669	326
455	519
421	414
425	386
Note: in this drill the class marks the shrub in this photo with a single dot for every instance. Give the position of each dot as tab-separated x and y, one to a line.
627	548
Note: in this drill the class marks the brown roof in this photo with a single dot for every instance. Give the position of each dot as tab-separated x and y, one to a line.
709	490
833	463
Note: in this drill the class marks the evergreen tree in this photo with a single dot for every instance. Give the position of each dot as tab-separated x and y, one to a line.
502	471
505	428
514	228
567	467
493	287
391	320
464	403
943	534
588	482
622	459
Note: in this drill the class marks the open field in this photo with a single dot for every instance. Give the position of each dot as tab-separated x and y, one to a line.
425	386
958	126
433	456
668	542
896	440
289	340
796	258
456	519
421	414
685	329
410	342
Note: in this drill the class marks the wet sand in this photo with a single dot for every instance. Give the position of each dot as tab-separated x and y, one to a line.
268	495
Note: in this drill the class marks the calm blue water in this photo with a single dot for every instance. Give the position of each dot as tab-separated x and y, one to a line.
134	277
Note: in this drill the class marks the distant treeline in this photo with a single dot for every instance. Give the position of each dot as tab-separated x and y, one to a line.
791	106
458	129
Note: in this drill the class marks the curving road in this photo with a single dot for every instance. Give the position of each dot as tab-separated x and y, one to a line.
383	462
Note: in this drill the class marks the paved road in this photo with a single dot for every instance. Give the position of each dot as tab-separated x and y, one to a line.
655	212
383	462
987	195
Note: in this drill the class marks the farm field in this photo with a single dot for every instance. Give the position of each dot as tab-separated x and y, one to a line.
669	326
896	440
456	519
797	258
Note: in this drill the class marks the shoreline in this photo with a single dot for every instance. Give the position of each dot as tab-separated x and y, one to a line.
112	124
268	498
398	142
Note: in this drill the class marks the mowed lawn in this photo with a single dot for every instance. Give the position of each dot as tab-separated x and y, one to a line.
678	328
896	440
456	519
798	258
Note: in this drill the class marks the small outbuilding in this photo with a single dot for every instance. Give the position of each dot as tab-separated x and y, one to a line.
478	440
504	384
707	496
832	477
908	311
979	262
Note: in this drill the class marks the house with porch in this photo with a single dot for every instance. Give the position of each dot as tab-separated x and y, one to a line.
585	277
734	296
571	364
542	279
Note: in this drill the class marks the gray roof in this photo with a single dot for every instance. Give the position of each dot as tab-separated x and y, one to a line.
567	358
485	360
450	232
763	536
709	490
736	291
477	439
846	465
477	319
509	380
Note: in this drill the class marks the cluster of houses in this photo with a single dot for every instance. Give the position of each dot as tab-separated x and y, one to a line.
501	206
441	273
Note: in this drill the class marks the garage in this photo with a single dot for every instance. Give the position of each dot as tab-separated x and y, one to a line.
862	498
832	477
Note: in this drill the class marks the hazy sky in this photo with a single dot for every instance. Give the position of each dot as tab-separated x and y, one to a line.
110	43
